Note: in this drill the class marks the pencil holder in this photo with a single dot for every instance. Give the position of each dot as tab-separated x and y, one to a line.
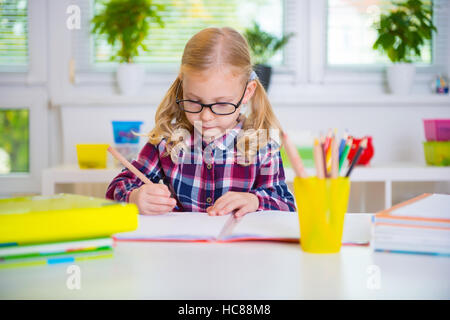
321	206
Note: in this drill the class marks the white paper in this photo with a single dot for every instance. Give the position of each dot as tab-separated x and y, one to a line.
177	226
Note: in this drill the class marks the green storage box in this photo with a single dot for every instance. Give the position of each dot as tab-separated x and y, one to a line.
437	153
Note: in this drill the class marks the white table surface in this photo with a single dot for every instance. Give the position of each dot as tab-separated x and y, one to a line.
241	270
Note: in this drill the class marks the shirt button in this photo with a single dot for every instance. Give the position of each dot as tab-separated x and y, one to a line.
208	200
209	166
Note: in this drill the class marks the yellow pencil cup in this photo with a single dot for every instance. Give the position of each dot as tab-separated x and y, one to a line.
92	156
321	206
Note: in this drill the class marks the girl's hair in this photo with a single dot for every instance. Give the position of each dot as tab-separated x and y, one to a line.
212	47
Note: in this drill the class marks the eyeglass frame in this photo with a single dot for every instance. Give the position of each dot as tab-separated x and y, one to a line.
203	105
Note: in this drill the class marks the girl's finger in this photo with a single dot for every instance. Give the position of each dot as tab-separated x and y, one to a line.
157	209
242	211
158	189
161	200
232	205
223	201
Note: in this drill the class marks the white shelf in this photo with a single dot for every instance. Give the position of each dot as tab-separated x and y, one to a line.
396	172
390	172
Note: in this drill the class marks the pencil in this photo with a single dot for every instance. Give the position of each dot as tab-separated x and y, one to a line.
342	145
324	164
362	146
327	140
345	153
328	152
334	159
294	157
318	161
128	165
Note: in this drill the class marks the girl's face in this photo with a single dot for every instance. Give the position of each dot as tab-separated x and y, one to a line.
211	86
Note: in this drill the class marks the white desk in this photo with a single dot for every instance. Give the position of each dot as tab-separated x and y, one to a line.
242	270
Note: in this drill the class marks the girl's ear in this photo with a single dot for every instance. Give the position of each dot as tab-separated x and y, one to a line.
251	87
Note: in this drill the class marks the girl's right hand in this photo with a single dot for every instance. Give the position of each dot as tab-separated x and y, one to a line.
153	199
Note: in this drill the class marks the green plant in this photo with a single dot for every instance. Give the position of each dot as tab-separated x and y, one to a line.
264	45
402	32
127	22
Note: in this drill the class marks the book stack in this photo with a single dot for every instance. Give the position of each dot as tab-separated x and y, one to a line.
420	225
60	229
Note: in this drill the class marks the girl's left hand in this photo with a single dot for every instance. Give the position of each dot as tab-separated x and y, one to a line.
243	202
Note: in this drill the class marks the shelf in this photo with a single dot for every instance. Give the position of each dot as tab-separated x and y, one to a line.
390	172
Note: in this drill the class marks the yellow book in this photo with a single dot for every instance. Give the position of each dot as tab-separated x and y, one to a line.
63	217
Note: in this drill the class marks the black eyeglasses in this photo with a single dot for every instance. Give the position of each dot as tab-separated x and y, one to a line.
219	108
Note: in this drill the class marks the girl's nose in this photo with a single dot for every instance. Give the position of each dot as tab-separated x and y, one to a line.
206	114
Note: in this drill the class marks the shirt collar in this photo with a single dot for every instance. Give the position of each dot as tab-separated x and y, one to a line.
227	139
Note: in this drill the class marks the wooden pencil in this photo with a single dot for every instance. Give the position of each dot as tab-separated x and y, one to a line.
362	146
334	159
318	161
324	163
294	157
116	154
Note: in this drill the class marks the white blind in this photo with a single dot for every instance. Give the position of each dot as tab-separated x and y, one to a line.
13	35
182	20
350	35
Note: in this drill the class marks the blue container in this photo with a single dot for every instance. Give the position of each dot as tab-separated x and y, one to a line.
123	131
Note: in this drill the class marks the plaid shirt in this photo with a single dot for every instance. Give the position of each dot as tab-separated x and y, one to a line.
200	178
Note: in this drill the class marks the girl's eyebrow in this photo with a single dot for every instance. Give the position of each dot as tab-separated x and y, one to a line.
198	98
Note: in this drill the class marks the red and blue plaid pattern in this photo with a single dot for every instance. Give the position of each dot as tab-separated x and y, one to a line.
205	172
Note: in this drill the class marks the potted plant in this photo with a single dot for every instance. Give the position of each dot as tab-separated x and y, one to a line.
402	32
264	46
127	22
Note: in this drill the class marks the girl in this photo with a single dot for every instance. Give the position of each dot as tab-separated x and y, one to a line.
202	147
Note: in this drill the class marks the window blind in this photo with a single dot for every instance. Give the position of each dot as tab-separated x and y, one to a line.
13	35
182	20
350	35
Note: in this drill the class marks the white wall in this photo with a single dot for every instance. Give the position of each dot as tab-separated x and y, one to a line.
300	101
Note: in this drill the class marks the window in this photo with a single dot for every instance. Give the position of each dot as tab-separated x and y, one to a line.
13	35
14	141
182	20
350	35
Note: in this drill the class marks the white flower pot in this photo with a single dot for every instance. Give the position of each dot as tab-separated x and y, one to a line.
130	78
400	77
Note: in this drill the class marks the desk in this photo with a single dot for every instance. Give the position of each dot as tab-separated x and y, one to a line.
241	270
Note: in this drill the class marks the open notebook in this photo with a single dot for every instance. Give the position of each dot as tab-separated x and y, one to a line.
263	225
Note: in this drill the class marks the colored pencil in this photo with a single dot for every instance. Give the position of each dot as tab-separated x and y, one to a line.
294	157
324	164
328	152
318	161
362	146
334	159
342	144
327	142
128	165
345	153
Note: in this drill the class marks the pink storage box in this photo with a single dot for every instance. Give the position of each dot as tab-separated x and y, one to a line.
437	129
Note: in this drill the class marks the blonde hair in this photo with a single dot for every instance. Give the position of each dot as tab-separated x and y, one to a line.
207	49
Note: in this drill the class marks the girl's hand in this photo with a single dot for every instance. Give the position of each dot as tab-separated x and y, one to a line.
153	199
243	202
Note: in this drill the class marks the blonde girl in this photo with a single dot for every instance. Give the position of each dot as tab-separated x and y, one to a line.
209	155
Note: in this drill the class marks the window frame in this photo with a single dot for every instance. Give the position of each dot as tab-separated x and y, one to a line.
36	73
321	73
36	102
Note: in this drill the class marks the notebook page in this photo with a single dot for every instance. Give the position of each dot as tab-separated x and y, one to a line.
435	206
176	226
267	225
